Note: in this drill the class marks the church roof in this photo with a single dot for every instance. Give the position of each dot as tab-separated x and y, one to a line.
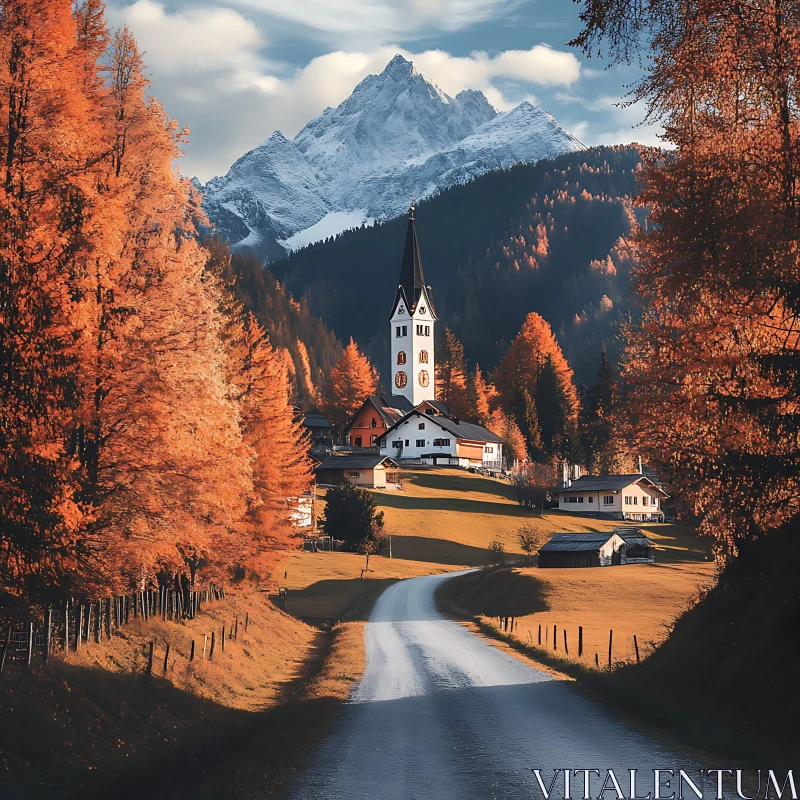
412	278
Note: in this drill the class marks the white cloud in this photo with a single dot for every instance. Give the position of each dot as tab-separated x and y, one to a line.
379	21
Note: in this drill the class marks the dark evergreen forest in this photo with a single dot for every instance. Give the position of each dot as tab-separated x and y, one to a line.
548	237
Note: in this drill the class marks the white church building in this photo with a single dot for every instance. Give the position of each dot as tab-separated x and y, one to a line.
427	432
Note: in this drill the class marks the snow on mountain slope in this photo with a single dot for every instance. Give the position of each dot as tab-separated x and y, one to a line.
397	135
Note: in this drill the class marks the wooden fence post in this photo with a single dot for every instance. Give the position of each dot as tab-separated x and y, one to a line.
48	633
566	648
30	643
191	652
79	628
66	627
580	640
636	646
597	660
540	634
555	639
223	639
5	649
205	642
150	659
610	640
166	660
236	629
213	642
246	621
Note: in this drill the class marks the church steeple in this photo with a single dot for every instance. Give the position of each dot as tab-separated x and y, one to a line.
412	278
412	325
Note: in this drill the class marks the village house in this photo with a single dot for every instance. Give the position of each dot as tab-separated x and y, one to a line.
376	415
437	439
625	497
597	549
370	470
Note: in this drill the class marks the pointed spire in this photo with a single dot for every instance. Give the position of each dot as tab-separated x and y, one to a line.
412	279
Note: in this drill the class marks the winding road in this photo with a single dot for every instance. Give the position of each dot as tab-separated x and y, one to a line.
441	714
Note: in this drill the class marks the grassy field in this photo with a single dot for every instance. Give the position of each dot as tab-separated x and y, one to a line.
444	519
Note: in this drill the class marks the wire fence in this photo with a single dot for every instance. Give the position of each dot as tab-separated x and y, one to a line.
67	628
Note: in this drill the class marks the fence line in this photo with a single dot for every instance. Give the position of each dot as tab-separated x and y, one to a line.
68	628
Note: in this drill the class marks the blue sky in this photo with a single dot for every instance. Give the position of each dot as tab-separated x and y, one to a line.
237	70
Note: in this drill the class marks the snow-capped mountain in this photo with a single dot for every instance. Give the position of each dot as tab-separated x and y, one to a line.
397	135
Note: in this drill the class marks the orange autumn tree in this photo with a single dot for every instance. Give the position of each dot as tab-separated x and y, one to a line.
479	397
713	369
534	353
350	382
281	468
451	375
47	141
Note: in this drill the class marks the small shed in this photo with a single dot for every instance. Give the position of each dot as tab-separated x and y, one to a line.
367	469
597	549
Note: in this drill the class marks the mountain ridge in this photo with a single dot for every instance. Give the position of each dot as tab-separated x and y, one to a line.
397	135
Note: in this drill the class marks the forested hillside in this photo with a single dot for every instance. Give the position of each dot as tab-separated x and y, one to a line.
547	237
289	323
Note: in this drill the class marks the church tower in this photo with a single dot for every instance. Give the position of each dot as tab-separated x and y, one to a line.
411	327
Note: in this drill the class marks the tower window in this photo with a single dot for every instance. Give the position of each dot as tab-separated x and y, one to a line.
401	357
423	356
427	330
397	333
424	378
405	330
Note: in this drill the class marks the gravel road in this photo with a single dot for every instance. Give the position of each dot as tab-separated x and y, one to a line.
441	714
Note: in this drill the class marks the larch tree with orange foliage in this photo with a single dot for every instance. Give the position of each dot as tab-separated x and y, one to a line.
479	397
504	426
714	367
451	375
517	379
350	382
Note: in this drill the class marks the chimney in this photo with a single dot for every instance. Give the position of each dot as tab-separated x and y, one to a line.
641	471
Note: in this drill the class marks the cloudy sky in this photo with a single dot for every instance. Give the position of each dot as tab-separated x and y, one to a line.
236	70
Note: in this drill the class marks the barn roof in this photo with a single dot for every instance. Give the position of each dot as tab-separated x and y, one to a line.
312	419
575	542
634	536
355	461
608	483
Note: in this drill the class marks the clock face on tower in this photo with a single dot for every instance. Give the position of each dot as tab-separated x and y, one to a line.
424	378
400	379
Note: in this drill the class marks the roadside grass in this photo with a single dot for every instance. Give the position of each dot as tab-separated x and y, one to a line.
92	724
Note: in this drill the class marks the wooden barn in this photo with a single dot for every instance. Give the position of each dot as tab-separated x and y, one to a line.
368	470
599	549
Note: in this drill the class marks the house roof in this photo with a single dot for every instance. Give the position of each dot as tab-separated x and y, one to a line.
439	405
354	461
390	409
459	429
608	483
575	542
312	419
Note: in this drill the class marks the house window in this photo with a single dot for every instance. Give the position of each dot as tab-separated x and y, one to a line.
644	501
358	441
580	499
490	449
424	378
398	443
635	500
374	423
423	356
627	500
406	442
422	426
405	330
420	443
654	501
427	330
372	439
608	500
441	443
591	499
401	357
354	474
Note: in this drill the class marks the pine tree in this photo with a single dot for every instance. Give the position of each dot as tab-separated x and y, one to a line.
351	381
451	375
555	413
